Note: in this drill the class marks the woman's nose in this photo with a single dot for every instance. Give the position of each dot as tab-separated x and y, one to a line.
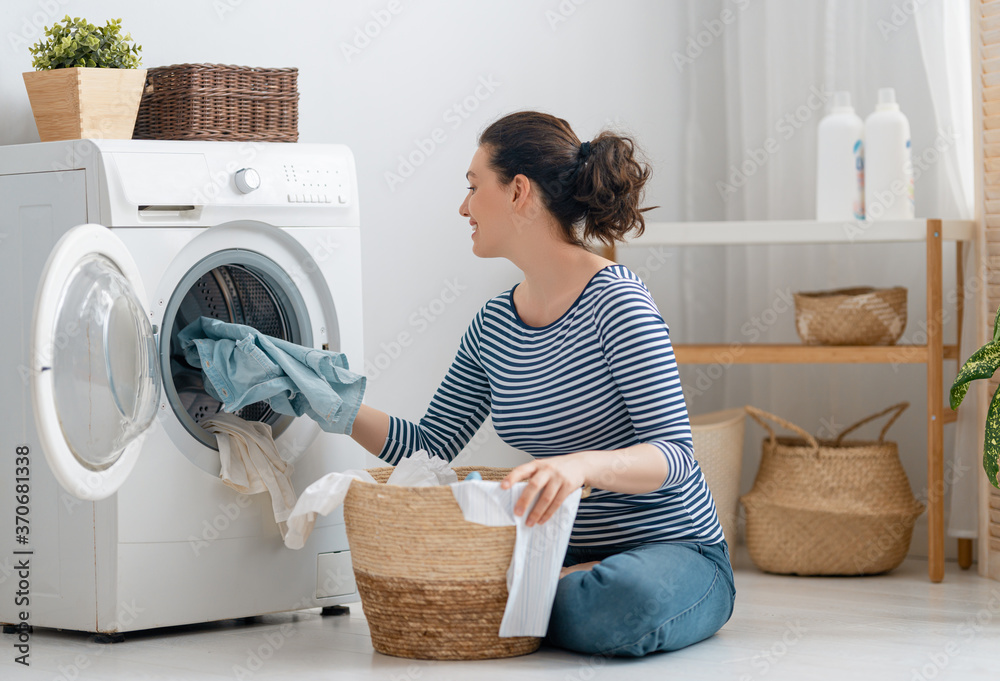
463	209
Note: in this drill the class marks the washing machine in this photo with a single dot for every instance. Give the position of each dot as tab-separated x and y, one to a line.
115	517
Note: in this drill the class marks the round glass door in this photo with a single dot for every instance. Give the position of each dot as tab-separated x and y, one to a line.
97	382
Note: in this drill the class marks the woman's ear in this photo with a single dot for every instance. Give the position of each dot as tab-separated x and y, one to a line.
522	192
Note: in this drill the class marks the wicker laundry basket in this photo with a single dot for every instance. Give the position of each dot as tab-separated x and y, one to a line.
851	316
433	586
718	448
219	102
829	507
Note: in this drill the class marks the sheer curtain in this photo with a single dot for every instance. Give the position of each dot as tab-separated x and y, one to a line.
757	89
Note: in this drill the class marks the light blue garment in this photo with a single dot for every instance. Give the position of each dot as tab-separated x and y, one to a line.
243	366
642	599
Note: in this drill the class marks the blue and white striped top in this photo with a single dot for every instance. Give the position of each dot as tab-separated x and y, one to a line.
601	377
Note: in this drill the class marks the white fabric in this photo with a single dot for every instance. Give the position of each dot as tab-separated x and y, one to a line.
320	498
533	575
757	80
251	463
420	469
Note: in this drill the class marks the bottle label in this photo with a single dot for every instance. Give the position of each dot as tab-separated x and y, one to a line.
859	166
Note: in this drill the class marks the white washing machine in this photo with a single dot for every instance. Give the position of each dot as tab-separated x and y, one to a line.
115	517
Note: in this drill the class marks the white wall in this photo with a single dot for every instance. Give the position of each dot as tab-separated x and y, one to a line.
592	63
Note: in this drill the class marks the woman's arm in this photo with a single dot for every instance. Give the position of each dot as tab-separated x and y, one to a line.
370	429
457	410
637	469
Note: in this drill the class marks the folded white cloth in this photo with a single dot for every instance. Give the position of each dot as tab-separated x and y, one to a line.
539	550
251	463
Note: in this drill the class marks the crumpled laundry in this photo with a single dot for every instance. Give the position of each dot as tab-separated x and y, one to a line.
320	498
539	550
251	463
243	366
533	574
327	494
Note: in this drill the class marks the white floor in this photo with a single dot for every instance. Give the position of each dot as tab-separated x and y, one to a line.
898	626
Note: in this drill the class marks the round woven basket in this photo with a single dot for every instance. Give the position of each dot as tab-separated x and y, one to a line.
718	448
829	507
851	316
433	586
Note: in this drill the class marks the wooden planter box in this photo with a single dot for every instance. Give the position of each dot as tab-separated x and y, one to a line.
84	103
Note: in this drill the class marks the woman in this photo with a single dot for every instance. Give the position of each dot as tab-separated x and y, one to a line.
575	367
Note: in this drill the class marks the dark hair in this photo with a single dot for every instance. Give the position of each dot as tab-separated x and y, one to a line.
599	187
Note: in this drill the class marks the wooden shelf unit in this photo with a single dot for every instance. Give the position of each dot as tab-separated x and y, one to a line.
932	354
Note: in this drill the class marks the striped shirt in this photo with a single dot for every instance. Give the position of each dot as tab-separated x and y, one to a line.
601	377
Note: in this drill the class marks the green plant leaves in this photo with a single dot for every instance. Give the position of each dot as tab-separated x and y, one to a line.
991	446
983	364
76	42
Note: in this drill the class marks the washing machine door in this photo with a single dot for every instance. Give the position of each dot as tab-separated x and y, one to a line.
94	376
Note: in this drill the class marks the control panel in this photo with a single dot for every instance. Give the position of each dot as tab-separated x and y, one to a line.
311	182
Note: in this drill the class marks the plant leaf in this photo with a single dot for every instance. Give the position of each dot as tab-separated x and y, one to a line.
996	326
991	445
983	364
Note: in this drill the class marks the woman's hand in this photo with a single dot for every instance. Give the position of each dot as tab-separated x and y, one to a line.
550	481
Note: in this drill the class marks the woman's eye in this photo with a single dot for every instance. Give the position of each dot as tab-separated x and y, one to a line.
472	189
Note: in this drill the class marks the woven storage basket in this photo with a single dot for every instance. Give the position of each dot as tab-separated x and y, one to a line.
219	102
718	447
829	507
433	586
851	316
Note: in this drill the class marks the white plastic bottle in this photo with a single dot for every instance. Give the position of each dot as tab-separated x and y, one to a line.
888	167
840	163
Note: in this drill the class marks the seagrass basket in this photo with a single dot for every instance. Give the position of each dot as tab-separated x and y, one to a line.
219	102
829	507
718	448
851	316
433	586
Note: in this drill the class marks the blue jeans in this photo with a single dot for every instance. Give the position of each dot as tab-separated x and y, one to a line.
642	599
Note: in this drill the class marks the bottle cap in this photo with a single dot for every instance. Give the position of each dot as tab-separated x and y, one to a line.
886	99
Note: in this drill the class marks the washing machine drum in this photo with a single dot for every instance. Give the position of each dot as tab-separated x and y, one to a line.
232	293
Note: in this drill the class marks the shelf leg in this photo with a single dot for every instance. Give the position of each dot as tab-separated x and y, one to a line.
935	407
965	553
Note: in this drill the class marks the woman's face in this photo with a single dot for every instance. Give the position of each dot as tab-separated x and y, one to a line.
488	207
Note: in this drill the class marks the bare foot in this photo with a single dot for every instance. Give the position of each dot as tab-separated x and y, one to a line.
576	568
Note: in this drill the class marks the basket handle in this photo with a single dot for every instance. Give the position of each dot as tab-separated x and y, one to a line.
759	415
898	408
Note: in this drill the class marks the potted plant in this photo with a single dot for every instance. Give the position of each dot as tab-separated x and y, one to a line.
982	364
86	83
